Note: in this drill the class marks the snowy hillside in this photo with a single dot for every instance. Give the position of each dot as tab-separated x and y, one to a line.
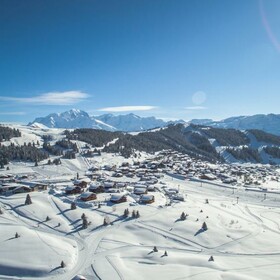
209	143
49	239
236	146
269	123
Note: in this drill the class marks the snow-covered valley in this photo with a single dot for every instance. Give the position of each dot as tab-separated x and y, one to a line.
240	241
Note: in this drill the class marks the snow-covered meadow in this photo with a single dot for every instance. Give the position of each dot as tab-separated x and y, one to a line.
242	237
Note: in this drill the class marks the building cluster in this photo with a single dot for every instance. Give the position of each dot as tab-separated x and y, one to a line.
141	180
11	184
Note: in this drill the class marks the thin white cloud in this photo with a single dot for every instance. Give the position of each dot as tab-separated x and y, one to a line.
12	113
51	98
196	108
127	108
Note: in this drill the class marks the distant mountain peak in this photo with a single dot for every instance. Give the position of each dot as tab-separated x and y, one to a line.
76	118
269	123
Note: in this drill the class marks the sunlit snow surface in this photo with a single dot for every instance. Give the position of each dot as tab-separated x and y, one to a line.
243	237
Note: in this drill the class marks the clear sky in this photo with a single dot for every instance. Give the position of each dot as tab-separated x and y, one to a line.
168	58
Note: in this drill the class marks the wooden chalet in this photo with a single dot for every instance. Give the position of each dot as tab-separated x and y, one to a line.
88	196
21	189
147	199
14	188
151	188
118	198
109	185
117	174
208	176
96	188
7	178
36	186
73	190
82	182
140	190
121	185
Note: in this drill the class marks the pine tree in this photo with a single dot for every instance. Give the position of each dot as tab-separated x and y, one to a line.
47	218
28	200
85	223
155	249
137	214
57	161
73	206
106	222
126	213
83	216
204	226
165	253
133	214
62	264
16	235
36	162
183	216
1	211
211	259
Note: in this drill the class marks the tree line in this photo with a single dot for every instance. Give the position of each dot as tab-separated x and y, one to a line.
21	153
6	133
262	136
245	154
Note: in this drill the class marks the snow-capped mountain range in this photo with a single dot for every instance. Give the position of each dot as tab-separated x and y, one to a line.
269	123
80	119
130	122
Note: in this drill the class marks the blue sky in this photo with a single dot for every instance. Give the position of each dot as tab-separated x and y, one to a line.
168	58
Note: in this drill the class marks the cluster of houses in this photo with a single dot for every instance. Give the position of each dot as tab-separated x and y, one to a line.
88	190
146	171
183	166
140	179
10	184
111	178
